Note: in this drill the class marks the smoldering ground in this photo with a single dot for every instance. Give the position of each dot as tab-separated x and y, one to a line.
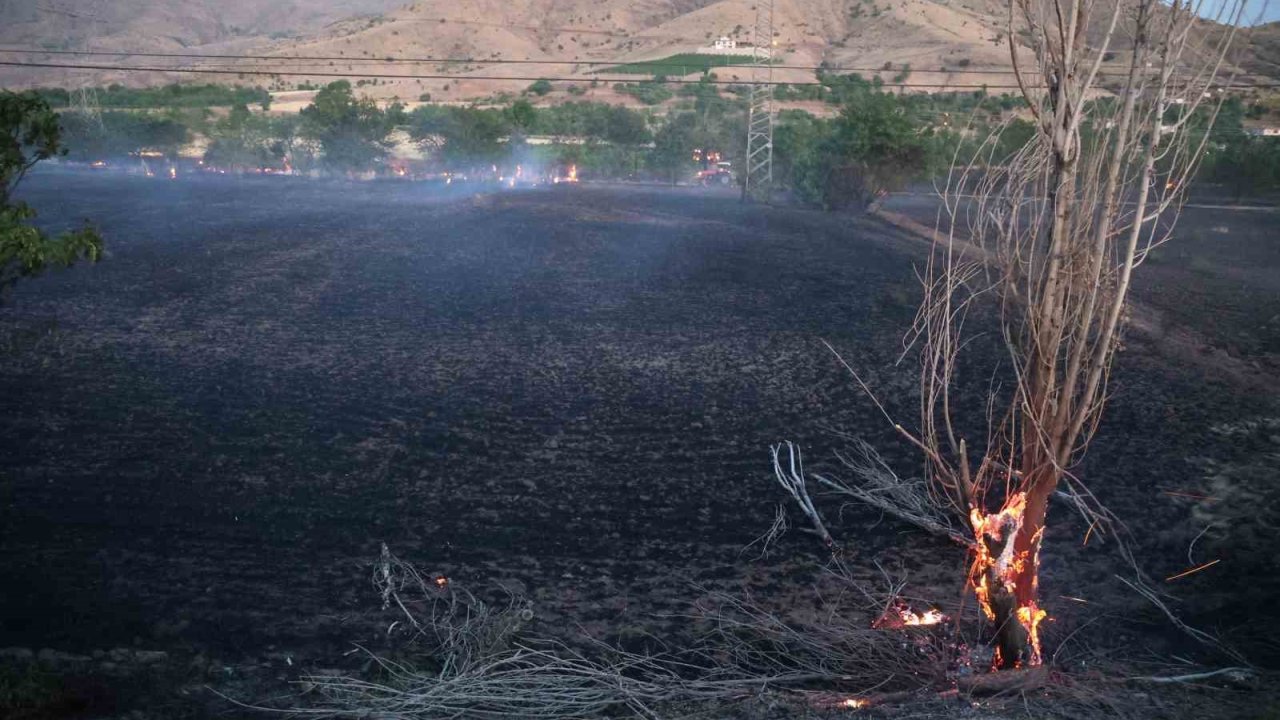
569	390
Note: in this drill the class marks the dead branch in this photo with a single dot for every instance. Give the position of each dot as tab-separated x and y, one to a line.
791	478
1011	681
1237	676
478	661
883	489
1140	587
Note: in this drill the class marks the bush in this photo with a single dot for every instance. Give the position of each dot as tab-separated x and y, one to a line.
540	87
168	96
649	93
873	147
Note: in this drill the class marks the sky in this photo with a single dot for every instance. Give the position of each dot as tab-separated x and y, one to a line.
1255	11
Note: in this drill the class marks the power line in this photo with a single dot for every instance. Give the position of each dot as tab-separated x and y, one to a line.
477	61
512	78
436	76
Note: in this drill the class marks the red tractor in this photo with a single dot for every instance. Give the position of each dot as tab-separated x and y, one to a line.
714	171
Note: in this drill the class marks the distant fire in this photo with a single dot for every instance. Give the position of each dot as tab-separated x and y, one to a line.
442	582
854	703
570	176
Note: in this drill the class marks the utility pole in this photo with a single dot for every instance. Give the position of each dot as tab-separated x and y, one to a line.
758	182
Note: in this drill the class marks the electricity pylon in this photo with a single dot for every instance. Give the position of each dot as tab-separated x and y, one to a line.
758	182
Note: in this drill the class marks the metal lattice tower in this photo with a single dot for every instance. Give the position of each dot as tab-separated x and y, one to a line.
85	99
758	182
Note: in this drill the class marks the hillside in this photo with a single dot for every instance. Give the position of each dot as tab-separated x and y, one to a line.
843	33
160	25
947	44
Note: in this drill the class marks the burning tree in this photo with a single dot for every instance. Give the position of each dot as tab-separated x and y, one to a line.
1052	234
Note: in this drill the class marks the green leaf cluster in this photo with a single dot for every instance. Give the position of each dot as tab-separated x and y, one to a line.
29	133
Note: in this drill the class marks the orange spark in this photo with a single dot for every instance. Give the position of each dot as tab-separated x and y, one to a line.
1195	569
442	582
1089	532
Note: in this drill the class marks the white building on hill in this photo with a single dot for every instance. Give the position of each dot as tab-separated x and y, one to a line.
725	45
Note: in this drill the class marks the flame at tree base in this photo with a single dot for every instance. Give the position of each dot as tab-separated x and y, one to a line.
995	578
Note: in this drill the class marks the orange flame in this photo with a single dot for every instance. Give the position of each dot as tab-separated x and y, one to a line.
900	616
1002	527
854	703
929	617
1029	616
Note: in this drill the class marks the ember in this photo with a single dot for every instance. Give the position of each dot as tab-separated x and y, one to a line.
900	616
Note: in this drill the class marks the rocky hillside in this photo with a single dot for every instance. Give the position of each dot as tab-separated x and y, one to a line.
945	44
160	25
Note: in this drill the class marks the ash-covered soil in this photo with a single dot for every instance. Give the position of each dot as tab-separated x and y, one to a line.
571	391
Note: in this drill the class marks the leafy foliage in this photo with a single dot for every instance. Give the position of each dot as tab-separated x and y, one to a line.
30	133
168	96
648	92
116	134
351	131
242	140
873	146
678	65
460	136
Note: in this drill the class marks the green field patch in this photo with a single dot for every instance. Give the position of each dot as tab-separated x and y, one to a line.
678	65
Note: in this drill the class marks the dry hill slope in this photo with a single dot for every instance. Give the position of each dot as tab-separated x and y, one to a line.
934	37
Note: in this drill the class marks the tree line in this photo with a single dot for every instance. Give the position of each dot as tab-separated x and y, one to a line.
877	141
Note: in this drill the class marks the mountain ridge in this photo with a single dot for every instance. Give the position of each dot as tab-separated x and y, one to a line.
937	44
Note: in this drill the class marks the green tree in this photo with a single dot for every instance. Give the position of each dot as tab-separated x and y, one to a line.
872	147
796	140
626	127
290	144
540	87
121	133
521	116
241	140
29	133
1245	164
673	146
352	132
460	136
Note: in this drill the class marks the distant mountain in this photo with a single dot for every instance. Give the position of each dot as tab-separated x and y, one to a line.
1263	57
167	24
937	44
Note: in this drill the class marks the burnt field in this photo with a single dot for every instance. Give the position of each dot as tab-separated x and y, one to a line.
208	436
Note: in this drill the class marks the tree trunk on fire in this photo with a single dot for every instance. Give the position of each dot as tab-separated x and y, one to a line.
1013	591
